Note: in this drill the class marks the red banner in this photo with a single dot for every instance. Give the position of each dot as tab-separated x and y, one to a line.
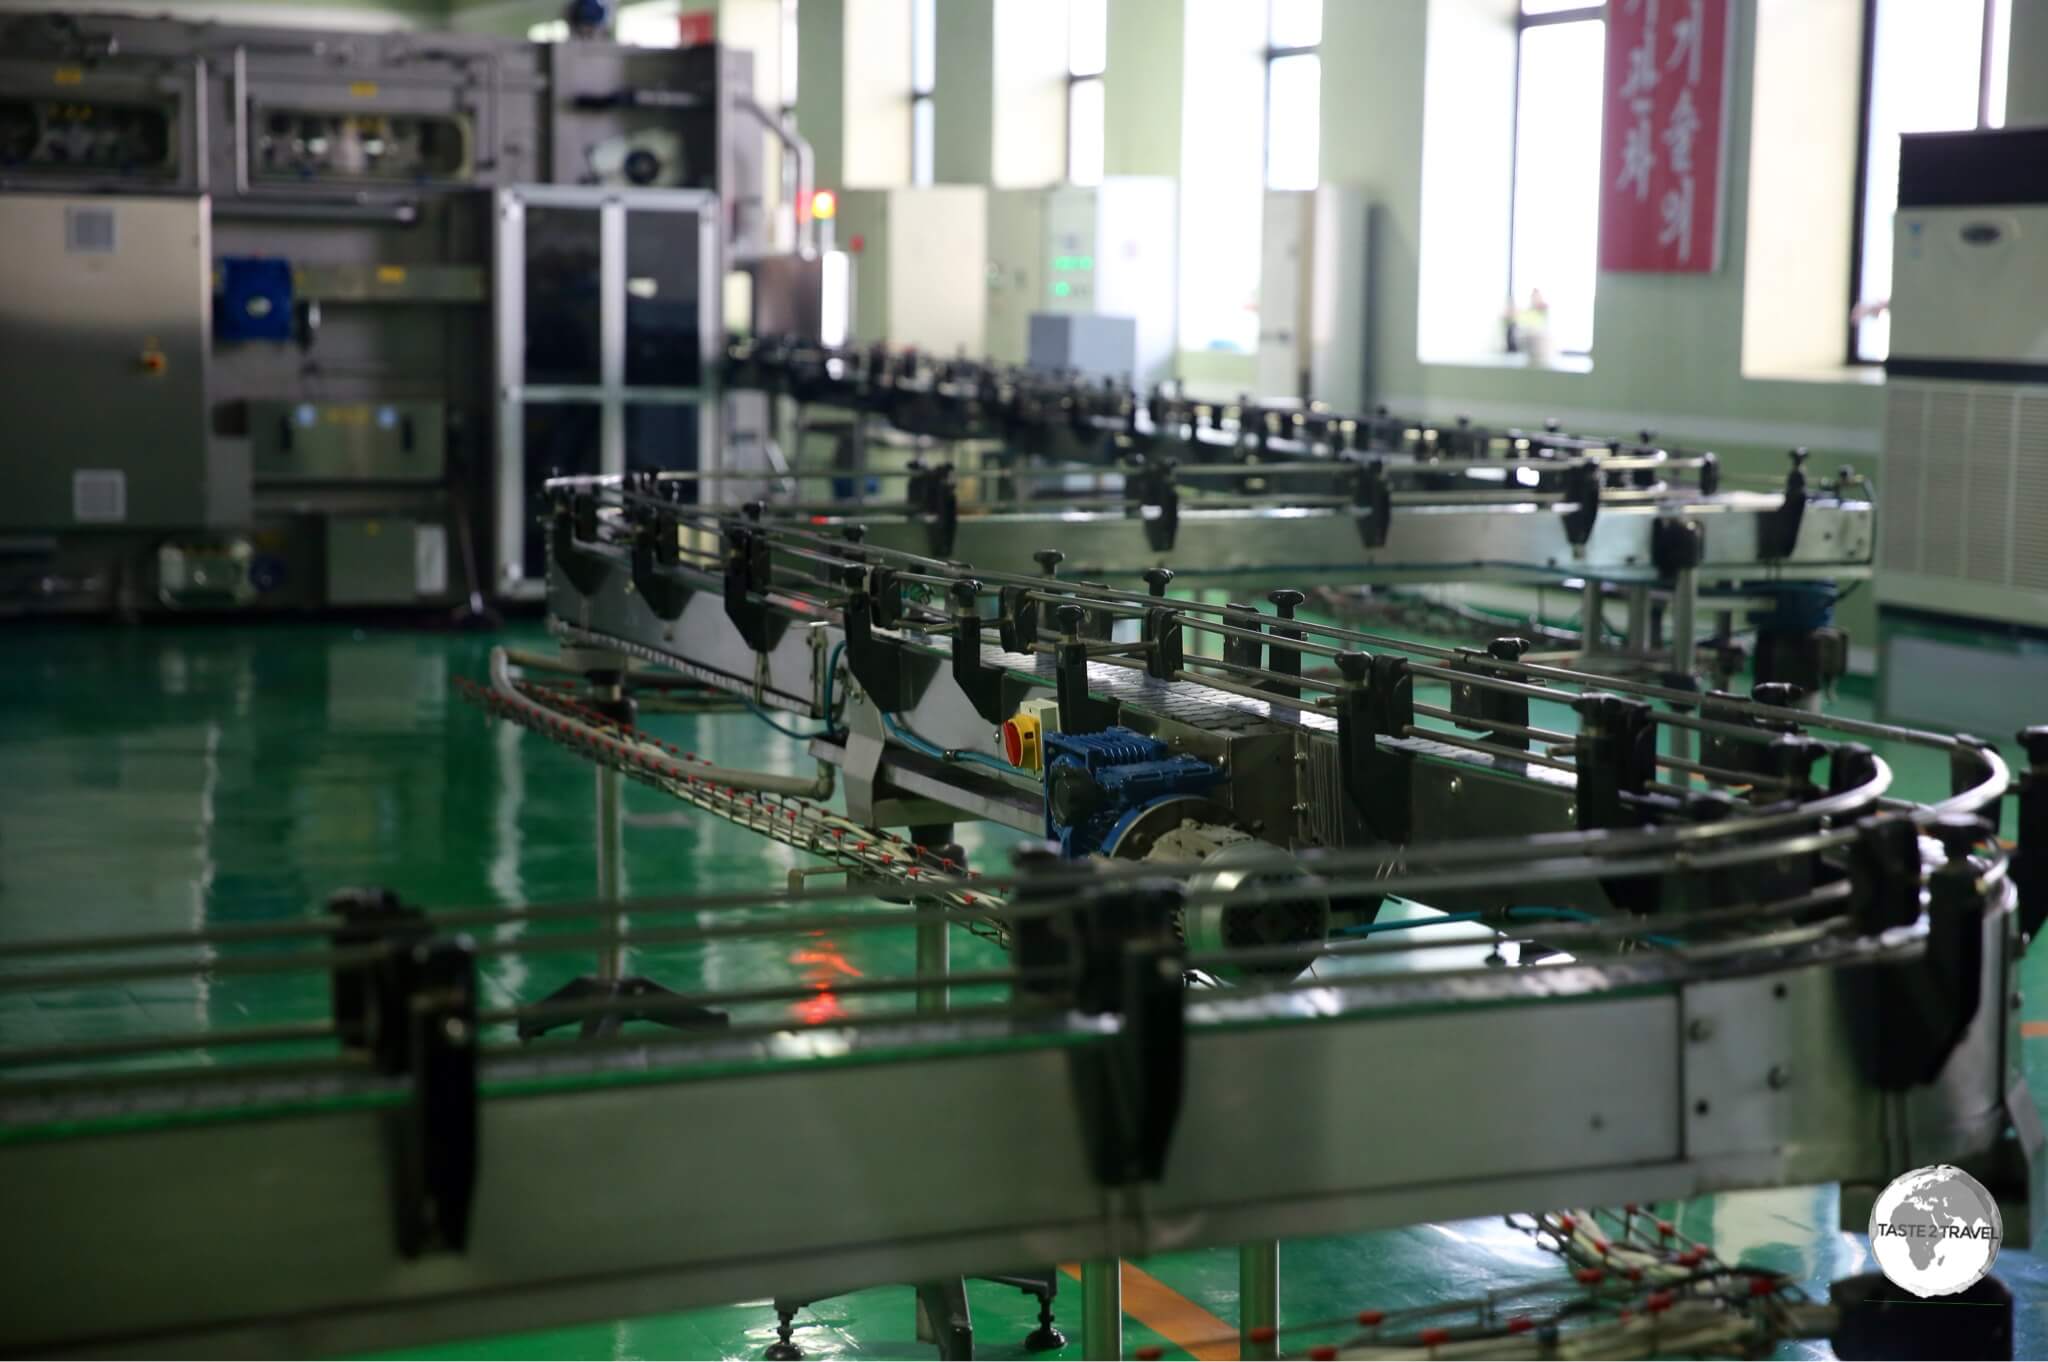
1664	144
698	28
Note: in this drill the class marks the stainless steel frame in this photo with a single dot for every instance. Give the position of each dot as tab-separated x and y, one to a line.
251	1234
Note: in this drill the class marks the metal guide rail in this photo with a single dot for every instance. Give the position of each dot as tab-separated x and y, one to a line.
1238	491
1748	965
404	1171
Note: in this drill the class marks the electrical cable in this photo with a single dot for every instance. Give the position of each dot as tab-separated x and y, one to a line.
930	749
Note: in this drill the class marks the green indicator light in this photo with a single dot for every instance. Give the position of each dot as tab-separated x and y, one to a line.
1062	289
1086	262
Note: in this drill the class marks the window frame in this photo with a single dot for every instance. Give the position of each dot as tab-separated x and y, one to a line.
1075	80
925	174
1273	53
1867	78
1525	21
1074	83
786	63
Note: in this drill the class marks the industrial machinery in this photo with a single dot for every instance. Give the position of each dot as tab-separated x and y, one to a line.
1966	425
1748	965
251	279
1248	498
1077	264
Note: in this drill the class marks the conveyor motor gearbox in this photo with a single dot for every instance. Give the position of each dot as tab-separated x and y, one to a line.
1098	783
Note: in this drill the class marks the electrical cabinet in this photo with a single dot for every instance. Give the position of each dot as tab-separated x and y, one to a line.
105	327
1316	249
1110	250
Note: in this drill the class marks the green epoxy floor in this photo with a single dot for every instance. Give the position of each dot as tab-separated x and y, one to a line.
176	776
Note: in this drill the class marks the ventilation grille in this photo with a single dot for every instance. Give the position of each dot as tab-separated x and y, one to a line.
1965	488
99	495
89	231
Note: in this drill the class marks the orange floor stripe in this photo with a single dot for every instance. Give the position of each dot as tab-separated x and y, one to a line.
1172	1316
2030	1029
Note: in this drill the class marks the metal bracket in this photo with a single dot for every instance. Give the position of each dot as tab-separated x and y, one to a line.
936	501
1377	698
1483	706
1242	652
1129	1087
1850	764
586	572
412	1010
1281	659
371	917
436	1133
1373	502
1676	543
1582	494
654	551
1616	760
1907	1016
1079	711
1158	504
2030	862
1777	530
1166	652
875	663
1018	627
748	574
994	693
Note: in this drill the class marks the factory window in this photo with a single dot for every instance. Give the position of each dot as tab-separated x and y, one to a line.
1222	133
924	73
787	56
1554	224
1087	58
1294	93
1928	66
653	24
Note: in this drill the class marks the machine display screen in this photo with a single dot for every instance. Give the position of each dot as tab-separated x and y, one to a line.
308	144
57	135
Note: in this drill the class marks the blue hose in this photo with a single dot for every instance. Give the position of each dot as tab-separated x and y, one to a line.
1576	915
832	670
917	744
765	717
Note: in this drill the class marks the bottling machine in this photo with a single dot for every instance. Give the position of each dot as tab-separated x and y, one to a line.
252	276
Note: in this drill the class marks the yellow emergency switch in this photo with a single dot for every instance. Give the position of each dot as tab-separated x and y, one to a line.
1021	742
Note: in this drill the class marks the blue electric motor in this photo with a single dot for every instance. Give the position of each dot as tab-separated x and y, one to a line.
1097	783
